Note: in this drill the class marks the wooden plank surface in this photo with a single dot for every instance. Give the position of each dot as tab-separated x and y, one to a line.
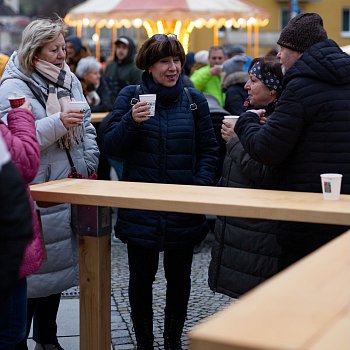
304	307
98	117
281	205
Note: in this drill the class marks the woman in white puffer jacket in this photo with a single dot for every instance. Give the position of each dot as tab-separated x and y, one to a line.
39	72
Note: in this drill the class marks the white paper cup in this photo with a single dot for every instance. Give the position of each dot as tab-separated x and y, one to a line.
151	100
331	184
80	106
232	119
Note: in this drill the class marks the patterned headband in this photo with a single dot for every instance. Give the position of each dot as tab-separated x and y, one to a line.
269	79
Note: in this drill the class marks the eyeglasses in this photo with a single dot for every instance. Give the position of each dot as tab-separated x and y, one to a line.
163	37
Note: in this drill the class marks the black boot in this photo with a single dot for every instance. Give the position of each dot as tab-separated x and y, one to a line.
173	325
143	327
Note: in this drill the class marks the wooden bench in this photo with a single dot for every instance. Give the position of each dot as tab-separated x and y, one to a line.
95	273
307	306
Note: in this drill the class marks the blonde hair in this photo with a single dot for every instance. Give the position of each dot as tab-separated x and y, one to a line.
35	36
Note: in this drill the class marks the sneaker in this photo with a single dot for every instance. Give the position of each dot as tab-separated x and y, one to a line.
48	347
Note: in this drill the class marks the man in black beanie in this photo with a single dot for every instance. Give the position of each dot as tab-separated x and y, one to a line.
308	133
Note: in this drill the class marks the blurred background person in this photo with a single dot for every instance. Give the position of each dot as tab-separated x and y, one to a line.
234	78
161	149
200	60
97	94
207	79
122	70
35	71
3	60
94	86
232	50
75	51
245	252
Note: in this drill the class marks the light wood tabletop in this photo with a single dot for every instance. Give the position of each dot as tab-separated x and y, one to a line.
280	205
98	117
307	306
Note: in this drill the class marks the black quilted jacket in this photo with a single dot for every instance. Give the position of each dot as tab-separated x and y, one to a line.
307	135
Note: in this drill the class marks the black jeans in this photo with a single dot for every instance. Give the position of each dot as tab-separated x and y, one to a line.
143	266
43	311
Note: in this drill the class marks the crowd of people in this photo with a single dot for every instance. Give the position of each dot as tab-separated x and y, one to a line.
293	125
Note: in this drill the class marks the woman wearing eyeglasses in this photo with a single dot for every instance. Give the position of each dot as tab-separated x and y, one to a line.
175	147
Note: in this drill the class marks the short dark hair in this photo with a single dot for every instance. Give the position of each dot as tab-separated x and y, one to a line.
216	48
157	47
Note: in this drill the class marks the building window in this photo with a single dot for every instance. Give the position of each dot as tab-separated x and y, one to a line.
346	23
284	16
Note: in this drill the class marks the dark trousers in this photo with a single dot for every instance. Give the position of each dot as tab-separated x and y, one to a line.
13	317
43	311
143	266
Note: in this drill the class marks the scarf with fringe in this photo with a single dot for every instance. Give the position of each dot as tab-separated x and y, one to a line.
60	86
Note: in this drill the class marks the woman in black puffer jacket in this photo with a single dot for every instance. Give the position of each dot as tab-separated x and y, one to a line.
245	251
174	146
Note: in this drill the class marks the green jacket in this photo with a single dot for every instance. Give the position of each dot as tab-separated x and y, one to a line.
210	84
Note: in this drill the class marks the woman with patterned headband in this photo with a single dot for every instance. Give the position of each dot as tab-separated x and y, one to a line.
244	252
176	146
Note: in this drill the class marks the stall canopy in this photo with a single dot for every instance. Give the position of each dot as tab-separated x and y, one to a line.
169	16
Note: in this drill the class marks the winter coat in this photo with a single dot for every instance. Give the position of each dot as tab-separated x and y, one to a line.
233	86
210	84
171	147
60	270
119	74
245	251
20	138
307	135
15	223
102	90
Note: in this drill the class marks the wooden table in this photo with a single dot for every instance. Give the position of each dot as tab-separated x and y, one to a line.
282	205
98	117
95	251
307	306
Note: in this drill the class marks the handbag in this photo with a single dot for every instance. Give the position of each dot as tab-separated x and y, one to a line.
88	220
73	170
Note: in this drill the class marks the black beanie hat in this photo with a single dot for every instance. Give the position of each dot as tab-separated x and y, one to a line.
302	31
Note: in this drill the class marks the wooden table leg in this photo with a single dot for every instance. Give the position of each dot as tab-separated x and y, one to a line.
93	224
95	293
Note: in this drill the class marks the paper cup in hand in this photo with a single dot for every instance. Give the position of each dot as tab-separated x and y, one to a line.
331	184
232	119
151	100
16	101
80	106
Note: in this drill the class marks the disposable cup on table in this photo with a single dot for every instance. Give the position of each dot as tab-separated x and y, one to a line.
331	185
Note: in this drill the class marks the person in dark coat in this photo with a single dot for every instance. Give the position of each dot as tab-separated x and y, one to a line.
75	51
16	231
245	251
122	71
308	133
233	81
172	147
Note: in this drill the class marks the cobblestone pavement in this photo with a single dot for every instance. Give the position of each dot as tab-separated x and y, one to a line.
203	302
